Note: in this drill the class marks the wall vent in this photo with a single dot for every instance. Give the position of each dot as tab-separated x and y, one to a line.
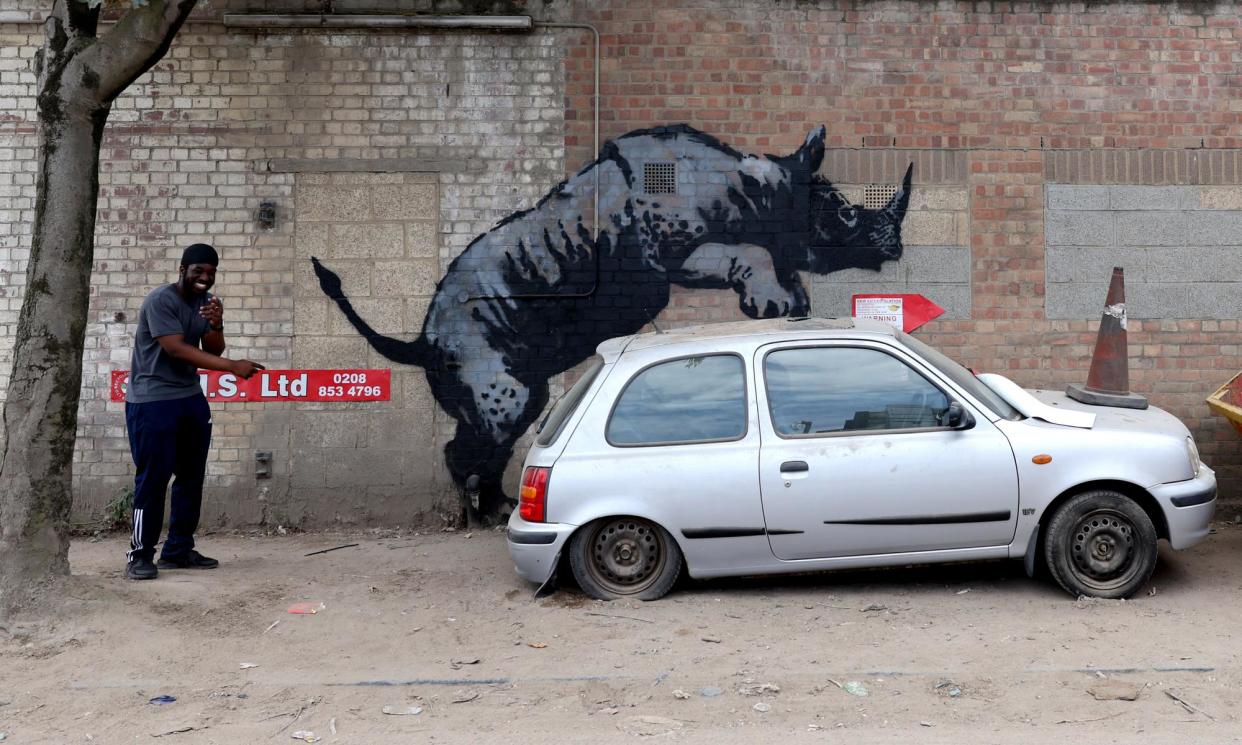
660	178
877	196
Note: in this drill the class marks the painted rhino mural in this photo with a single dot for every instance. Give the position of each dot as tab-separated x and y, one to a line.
535	295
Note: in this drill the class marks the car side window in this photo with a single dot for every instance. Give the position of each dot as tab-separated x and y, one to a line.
693	399
824	390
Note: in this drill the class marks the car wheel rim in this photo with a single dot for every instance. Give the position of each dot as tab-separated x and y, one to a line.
1103	552
626	556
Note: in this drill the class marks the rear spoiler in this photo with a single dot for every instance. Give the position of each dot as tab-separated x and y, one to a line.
1028	405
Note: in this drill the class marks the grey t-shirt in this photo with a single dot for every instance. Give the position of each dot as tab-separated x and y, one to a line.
153	374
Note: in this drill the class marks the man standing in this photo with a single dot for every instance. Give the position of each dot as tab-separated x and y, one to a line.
180	329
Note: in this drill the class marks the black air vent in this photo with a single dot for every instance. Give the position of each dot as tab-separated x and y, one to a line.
660	178
876	196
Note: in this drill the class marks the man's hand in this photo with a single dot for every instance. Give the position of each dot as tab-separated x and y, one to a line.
245	369
213	311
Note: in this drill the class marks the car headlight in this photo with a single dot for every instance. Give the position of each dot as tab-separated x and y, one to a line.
1193	452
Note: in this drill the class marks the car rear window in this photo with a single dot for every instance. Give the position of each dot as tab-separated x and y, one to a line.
552	425
693	399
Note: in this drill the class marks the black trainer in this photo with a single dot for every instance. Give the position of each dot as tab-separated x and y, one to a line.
141	569
189	560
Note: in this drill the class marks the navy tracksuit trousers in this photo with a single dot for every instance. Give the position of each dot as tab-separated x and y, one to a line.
168	440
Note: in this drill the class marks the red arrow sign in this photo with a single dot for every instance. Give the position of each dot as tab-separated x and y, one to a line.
906	312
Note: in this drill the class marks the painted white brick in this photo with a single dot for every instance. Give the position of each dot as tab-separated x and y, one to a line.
183	180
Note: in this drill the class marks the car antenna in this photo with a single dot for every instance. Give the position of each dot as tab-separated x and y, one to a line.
653	323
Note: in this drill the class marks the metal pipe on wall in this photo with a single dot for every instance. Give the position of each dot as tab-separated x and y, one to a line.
594	108
594	197
329	20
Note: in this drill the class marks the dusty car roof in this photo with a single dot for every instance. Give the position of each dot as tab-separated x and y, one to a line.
793	327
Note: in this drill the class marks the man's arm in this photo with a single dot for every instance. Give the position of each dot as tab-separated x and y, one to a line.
213	340
176	347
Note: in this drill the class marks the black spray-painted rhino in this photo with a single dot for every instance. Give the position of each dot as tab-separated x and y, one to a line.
535	295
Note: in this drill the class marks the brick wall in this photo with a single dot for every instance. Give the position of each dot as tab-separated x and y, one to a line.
1023	95
1004	109
472	121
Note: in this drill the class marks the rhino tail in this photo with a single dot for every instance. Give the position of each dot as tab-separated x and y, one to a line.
416	352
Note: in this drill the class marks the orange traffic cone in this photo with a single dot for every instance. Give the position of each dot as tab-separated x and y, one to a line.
1108	382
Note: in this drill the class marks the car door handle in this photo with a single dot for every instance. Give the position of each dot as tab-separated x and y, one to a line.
794	466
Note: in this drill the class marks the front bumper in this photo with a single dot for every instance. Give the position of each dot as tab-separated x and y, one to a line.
535	547
1188	507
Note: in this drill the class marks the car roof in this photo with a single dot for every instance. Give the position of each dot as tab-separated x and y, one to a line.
791	328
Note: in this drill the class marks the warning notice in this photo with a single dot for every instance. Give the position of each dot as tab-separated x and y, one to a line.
904	311
886	309
284	385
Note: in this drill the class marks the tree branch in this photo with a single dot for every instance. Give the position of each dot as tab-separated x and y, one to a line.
138	40
70	25
82	20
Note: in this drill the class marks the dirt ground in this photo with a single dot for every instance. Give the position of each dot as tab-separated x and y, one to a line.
439	625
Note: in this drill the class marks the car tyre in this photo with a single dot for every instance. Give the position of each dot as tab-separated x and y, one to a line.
624	557
1101	544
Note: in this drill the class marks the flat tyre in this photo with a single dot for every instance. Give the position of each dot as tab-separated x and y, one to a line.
1101	544
624	557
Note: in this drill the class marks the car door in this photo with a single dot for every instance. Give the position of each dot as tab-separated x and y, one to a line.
855	458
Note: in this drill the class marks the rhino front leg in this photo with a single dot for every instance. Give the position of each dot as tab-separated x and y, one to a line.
750	271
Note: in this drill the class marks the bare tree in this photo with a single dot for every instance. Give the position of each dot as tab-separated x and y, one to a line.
80	74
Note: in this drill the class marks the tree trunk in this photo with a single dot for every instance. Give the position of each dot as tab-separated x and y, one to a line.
41	406
79	77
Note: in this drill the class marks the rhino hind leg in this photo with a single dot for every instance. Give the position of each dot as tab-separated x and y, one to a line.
468	455
498	412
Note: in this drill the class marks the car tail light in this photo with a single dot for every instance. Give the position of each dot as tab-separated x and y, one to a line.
533	505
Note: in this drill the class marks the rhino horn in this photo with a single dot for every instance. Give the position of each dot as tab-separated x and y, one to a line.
896	207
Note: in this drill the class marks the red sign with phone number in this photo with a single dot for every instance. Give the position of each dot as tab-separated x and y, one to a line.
285	385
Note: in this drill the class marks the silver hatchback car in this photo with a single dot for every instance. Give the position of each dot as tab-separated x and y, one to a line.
794	445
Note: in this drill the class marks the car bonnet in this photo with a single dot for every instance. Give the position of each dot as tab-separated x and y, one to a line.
1152	419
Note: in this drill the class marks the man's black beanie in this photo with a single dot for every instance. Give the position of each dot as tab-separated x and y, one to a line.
200	253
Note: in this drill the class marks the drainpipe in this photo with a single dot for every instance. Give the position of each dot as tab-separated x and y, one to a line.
594	201
495	23
595	109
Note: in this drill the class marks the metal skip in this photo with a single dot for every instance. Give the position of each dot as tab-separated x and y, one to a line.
1108	382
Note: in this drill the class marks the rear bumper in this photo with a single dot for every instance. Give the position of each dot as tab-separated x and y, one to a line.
1188	507
535	547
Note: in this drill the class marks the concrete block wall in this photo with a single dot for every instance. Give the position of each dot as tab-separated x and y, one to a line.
1180	246
380	233
1032	171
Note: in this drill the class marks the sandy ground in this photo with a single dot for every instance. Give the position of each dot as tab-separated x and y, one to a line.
439	624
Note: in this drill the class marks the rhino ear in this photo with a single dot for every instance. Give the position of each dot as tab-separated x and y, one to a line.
811	154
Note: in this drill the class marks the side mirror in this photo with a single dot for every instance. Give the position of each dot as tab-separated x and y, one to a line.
957	417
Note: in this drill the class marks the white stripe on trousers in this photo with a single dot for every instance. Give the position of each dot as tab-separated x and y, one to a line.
135	541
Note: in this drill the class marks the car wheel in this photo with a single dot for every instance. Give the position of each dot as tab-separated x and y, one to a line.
1101	544
624	557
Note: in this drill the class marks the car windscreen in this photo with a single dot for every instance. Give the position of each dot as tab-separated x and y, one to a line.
961	376
552	425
